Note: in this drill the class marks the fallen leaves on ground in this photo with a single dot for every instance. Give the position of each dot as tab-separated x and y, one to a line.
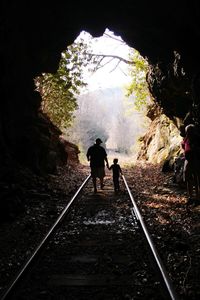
174	227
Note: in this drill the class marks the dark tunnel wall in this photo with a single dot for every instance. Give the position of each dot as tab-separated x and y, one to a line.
33	34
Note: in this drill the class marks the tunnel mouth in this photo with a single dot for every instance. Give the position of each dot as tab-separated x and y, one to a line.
92	94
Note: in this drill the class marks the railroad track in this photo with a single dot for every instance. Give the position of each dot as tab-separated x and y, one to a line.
91	252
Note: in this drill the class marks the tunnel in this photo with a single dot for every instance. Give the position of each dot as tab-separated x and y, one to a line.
35	34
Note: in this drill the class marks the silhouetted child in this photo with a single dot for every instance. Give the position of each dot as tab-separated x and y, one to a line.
116	169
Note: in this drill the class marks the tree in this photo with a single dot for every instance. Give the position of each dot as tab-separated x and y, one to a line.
59	91
139	86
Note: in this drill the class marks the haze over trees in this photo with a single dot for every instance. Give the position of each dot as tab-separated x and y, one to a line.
105	113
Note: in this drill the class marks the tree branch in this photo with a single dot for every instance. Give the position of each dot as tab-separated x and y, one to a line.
113	57
114	38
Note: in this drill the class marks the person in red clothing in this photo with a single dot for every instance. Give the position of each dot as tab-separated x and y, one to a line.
191	164
97	156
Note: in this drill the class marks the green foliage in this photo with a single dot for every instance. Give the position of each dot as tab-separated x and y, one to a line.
59	91
138	87
58	102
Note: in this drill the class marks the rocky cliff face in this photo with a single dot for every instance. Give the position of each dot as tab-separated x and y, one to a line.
162	141
33	36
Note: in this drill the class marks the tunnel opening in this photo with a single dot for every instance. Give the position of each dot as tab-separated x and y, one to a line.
38	34
99	89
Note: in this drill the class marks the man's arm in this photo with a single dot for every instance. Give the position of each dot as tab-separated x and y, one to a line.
105	157
120	170
106	160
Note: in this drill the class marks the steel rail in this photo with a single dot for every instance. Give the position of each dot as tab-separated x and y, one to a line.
38	248
162	269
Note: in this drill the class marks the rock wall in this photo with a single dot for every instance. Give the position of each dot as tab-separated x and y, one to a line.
162	142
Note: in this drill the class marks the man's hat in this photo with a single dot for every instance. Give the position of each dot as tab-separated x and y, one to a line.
99	141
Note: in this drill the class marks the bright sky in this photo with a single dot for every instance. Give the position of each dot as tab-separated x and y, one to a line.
109	75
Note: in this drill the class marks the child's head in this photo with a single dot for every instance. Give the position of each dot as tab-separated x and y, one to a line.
115	160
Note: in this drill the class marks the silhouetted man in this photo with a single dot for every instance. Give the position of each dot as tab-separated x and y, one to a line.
97	156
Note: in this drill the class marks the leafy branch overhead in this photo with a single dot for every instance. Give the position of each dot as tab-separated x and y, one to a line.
59	91
138	68
139	86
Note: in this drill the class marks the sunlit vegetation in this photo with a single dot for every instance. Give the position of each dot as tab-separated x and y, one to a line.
138	86
59	91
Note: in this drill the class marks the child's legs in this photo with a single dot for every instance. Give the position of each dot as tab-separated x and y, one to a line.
116	183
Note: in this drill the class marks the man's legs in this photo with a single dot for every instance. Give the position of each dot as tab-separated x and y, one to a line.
101	176
100	173
94	180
